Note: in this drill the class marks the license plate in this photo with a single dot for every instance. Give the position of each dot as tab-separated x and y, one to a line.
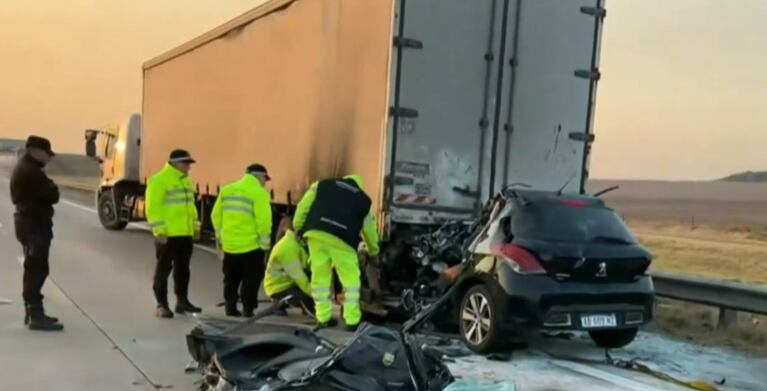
598	321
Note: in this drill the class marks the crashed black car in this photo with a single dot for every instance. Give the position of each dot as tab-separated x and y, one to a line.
533	260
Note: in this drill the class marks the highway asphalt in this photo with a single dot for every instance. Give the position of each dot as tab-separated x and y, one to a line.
100	287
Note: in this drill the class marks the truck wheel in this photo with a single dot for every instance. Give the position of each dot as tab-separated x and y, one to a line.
478	320
108	213
613	339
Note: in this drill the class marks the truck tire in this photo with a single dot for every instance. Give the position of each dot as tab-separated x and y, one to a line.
108	213
613	339
478	321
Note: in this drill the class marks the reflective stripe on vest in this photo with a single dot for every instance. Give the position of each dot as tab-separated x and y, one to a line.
238	204
178	196
238	208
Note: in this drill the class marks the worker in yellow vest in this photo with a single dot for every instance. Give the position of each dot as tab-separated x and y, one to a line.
332	216
286	270
172	214
242	218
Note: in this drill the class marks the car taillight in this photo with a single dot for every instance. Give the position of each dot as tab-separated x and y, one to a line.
520	260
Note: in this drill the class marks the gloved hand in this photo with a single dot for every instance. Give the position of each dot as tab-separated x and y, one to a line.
161	239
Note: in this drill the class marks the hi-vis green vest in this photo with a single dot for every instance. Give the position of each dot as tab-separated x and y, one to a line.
286	266
242	216
170	204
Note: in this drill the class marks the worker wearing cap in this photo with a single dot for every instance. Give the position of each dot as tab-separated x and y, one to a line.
34	195
332	215
242	218
286	270
172	214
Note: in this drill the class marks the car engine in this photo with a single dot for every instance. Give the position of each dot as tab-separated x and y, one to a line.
413	266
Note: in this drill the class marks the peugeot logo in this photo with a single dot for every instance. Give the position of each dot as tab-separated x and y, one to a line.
602	272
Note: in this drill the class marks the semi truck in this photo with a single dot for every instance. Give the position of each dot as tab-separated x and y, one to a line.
437	104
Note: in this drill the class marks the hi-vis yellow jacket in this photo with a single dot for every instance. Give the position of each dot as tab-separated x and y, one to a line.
242	216
170	204
286	266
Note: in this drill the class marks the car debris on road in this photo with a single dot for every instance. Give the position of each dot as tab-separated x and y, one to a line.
265	356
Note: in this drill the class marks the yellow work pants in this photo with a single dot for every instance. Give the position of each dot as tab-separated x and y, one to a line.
323	258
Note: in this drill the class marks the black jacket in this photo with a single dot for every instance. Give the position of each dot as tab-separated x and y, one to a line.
34	195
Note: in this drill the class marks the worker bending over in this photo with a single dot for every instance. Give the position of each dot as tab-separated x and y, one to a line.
242	218
331	216
172	214
286	270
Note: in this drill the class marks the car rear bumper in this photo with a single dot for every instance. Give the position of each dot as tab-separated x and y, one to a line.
542	302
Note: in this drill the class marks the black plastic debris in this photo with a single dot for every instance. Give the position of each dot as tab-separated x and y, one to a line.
266	356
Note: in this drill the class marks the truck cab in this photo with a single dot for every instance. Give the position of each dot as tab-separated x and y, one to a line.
117	148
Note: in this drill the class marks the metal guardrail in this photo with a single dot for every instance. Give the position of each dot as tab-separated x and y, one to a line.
729	297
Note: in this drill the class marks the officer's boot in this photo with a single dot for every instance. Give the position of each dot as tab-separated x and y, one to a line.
326	325
163	311
247	310
231	309
37	320
183	305
52	319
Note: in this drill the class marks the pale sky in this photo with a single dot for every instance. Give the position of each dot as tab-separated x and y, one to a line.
683	93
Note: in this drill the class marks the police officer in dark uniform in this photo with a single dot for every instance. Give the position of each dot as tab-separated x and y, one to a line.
34	195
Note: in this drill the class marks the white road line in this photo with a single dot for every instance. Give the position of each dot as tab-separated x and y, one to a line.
78	206
624	383
140	226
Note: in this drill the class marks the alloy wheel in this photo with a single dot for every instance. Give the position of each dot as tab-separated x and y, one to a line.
476	317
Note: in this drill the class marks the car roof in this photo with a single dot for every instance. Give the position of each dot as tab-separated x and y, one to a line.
542	196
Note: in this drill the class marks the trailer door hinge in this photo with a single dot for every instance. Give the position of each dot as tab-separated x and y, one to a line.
405	42
593	74
582	137
594	11
403	112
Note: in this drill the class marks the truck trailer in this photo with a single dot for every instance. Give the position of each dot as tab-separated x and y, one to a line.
437	104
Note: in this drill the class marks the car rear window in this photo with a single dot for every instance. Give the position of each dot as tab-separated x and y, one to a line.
570	222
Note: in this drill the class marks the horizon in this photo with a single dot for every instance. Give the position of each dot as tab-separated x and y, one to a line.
679	98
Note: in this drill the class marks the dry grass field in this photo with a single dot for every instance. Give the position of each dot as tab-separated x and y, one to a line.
713	229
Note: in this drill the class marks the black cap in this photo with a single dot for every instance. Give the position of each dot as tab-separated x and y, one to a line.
256	168
40	143
180	156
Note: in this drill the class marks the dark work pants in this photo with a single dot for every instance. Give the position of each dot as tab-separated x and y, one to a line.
173	256
36	249
300	299
243	272
35	236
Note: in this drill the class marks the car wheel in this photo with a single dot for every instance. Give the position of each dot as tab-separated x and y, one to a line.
108	213
477	319
613	339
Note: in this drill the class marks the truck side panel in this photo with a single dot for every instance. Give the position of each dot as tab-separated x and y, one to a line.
302	89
